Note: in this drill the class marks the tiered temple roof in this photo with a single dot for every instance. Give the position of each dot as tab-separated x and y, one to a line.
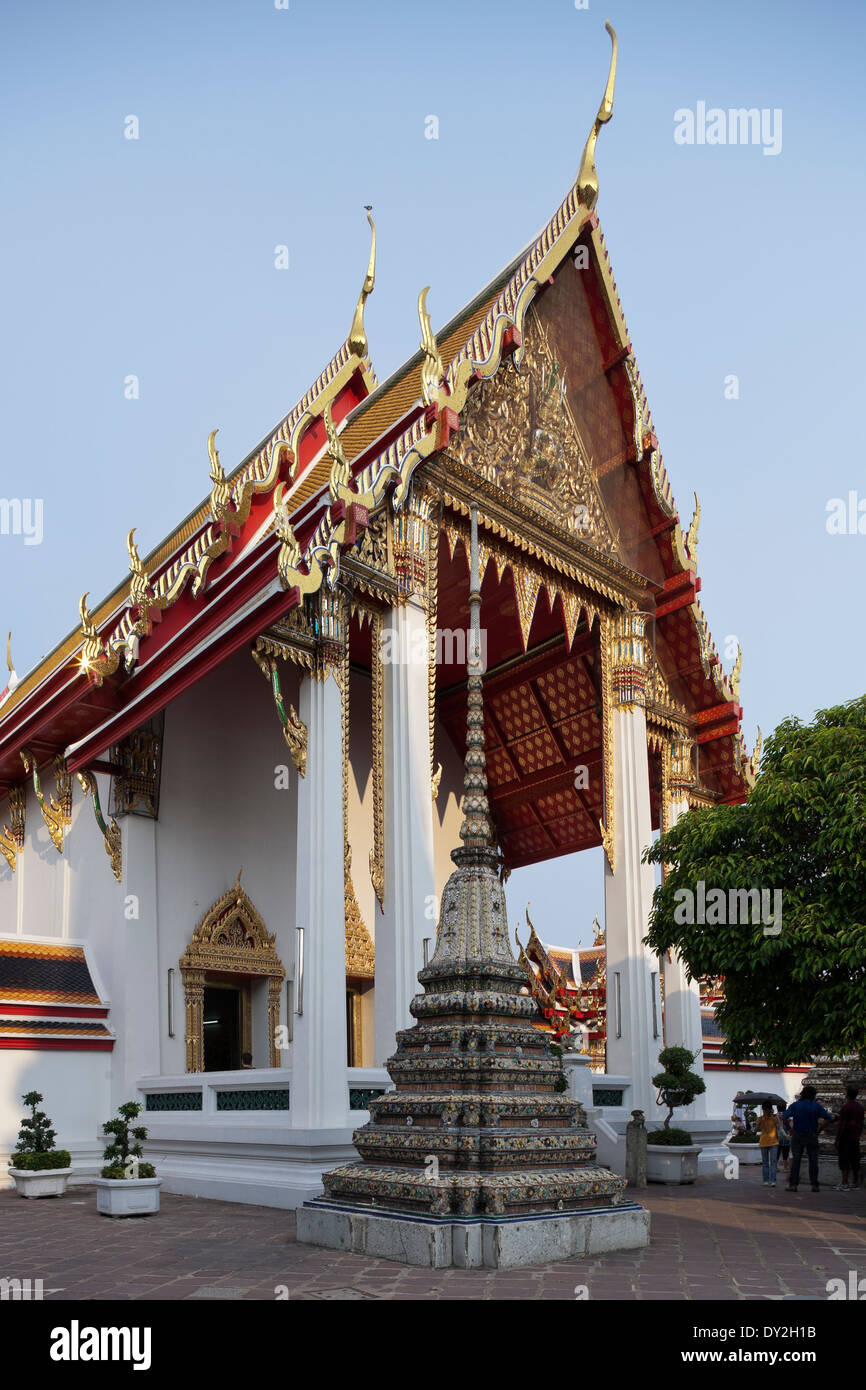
209	587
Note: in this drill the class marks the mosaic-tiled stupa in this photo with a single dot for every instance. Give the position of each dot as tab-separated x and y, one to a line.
479	1125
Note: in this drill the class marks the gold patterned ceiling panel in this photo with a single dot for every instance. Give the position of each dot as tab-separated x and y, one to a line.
558	803
517	712
519	817
535	752
500	768
580	734
566	689
531	841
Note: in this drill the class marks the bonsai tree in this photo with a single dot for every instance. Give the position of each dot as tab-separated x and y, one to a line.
677	1085
121	1156
34	1147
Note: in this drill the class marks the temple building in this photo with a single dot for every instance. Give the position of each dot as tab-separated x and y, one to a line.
229	797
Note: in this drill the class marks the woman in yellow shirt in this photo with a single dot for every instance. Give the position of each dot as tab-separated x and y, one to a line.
768	1128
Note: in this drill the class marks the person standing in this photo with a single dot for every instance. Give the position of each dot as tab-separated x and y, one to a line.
784	1137
768	1129
848	1139
805	1114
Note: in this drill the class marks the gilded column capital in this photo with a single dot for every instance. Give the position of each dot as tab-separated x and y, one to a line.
628	658
681	779
411	540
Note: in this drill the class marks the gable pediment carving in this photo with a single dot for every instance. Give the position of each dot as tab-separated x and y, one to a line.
518	431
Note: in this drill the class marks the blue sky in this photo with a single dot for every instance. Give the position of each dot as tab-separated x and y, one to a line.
260	127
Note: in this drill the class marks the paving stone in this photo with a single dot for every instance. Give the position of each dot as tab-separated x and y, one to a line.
715	1240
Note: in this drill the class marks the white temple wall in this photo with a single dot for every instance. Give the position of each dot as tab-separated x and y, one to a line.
58	896
76	1090
723	1084
447	816
221	810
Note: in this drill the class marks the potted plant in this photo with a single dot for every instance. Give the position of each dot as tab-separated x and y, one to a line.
38	1168
671	1155
747	1145
128	1187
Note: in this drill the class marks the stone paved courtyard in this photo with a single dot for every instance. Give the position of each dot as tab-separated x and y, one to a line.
715	1240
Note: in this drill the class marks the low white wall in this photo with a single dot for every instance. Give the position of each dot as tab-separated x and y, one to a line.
76	1089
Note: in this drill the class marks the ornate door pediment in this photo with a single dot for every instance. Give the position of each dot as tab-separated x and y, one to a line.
231	938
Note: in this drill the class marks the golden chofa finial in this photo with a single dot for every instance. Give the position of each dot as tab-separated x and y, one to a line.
734	677
290	551
432	370
221	493
93	660
692	537
340	469
357	333
139	588
587	177
9	665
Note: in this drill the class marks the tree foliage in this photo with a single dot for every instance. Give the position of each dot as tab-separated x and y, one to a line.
35	1135
125	1143
677	1084
795	992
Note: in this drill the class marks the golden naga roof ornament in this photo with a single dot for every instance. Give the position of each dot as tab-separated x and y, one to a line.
587	176
432	369
13	674
340	470
692	537
139	587
734	677
221	493
94	661
290	551
357	333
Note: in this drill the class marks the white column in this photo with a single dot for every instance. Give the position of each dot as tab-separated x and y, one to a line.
320	1098
409	874
135	1013
683	1024
634	1031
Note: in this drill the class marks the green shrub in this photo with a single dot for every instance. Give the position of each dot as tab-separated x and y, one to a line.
669	1136
35	1135
748	1137
118	1172
39	1162
126	1143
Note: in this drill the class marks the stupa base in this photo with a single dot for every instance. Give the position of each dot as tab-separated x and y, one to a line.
496	1242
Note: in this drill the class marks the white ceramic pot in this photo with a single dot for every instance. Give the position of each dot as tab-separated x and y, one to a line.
127	1196
45	1182
746	1153
672	1163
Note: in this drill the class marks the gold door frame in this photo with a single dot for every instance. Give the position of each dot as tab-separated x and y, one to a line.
231	939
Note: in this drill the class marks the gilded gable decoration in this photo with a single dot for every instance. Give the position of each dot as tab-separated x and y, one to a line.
293	727
12	836
110	832
53	811
519	433
360	953
139	758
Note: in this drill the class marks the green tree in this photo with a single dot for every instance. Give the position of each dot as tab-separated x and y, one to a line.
794	987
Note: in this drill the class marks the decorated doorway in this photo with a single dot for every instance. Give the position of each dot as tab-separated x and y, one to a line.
230	952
